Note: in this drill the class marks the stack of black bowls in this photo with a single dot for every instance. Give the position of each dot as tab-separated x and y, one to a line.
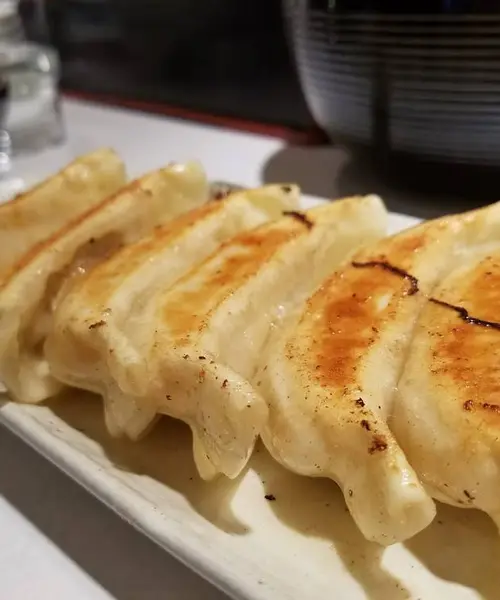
418	79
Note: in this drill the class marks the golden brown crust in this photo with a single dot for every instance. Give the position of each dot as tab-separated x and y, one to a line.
40	247
189	309
463	352
337	352
37	249
129	258
399	250
350	298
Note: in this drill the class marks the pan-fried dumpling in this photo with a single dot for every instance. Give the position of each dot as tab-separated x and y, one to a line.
39	212
447	413
91	323
197	344
30	290
331	378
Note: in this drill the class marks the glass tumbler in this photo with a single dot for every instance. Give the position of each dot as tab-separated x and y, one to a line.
30	116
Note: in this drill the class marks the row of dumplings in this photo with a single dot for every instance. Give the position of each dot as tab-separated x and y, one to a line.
366	359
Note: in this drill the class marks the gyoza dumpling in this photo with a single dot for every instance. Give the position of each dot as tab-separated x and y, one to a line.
29	291
39	212
197	344
331	378
90	332
447	413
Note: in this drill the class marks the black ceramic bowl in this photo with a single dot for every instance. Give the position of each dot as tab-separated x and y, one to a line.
418	78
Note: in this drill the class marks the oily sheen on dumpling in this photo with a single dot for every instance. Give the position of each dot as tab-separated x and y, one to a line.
330	379
30	291
39	212
197	343
447	414
99	324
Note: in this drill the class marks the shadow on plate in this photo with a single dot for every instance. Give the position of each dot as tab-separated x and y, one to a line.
460	546
316	508
164	455
334	172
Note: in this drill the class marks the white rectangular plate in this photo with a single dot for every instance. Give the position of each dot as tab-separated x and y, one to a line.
301	546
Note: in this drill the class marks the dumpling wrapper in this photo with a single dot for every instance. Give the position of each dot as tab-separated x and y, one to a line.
40	211
331	378
447	414
97	326
200	341
29	293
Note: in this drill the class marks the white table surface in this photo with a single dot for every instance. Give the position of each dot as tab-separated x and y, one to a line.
57	542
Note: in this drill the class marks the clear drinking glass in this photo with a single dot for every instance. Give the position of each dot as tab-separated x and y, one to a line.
29	76
30	118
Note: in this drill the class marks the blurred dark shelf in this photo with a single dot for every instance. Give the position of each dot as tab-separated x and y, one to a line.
219	57
275	101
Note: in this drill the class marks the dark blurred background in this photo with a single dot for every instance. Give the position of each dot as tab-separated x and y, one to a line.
222	57
409	93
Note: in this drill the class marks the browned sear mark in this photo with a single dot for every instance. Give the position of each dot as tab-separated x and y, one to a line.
365	425
378	444
202	357
488	406
463	313
360	402
300	217
220	195
469	495
270	497
470	405
382	264
224	383
97	324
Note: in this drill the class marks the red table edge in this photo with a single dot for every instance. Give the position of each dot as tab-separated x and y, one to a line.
310	136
